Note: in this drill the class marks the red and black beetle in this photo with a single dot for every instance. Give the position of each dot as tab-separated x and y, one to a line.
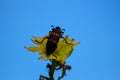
53	38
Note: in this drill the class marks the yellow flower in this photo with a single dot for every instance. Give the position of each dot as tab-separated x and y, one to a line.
62	52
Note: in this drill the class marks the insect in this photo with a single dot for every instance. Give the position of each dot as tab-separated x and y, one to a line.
53	38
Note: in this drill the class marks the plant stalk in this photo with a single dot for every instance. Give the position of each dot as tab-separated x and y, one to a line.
52	70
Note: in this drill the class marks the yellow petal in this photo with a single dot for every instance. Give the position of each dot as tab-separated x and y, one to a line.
62	52
33	48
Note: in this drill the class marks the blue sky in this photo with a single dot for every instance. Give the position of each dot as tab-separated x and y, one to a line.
95	23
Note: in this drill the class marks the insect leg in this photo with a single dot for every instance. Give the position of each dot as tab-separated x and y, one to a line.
65	40
41	41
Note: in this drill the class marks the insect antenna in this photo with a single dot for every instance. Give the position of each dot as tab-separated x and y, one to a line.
63	30
52	26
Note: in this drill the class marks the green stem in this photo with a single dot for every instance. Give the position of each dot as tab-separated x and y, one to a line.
52	70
